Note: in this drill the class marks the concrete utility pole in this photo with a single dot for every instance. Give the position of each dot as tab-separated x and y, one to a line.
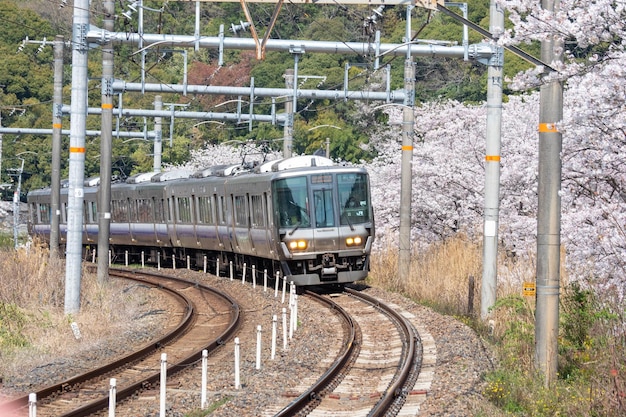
288	130
57	125
78	123
408	120
549	215
492	165
106	140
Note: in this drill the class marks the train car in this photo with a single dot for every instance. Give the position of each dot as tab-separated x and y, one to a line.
303	216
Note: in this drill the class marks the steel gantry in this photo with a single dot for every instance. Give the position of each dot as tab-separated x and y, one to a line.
85	34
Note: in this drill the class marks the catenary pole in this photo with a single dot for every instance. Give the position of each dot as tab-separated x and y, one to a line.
288	129
158	135
106	140
492	165
408	121
548	214
57	125
78	123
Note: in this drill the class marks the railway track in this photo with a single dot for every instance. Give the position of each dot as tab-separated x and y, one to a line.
372	371
207	318
375	371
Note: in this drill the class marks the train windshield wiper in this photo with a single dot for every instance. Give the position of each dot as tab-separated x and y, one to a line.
294	229
349	223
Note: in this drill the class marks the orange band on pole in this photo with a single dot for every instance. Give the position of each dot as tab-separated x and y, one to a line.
407	148
547	128
77	150
107	106
492	158
57	125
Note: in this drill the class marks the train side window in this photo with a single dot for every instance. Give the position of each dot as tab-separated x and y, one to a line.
268	208
144	210
86	216
44	214
223	210
167	212
119	211
94	211
183	210
241	212
205	210
132	210
256	211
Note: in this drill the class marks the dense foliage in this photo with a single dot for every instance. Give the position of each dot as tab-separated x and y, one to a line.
26	88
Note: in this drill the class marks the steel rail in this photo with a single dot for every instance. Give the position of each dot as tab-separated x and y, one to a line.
187	321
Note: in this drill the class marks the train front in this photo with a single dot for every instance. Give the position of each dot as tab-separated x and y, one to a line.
325	224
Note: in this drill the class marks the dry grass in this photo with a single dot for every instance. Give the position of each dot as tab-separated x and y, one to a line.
592	347
33	326
440	276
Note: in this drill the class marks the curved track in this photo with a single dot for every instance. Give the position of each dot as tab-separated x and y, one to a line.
375	370
87	393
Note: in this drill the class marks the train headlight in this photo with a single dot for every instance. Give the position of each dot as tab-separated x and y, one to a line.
353	241
298	245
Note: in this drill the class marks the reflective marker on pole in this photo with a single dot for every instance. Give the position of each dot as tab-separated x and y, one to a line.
163	383
237	383
205	354
32	405
258	347
112	395
274	324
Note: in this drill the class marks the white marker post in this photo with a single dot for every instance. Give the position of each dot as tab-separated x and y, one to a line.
112	396
237	379
163	384
274	325
258	347
32	405
205	354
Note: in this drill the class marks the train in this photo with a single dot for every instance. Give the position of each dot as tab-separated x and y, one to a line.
304	217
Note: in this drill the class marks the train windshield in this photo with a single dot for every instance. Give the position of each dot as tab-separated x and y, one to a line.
353	198
292	202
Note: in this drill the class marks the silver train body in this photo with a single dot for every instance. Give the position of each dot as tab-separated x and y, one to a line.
303	216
